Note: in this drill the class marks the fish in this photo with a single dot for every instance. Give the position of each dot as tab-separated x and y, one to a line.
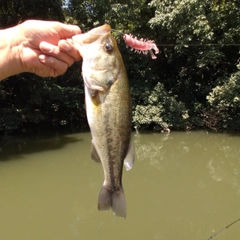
109	112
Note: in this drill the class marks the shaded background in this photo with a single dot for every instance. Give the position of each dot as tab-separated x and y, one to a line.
194	82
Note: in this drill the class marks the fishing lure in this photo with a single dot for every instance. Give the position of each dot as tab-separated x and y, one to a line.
141	45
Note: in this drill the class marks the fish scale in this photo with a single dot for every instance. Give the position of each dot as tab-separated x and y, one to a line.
109	112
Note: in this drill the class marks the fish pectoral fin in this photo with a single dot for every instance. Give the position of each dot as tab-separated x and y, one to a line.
94	154
93	86
129	159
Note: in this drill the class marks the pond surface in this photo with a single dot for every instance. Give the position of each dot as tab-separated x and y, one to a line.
184	186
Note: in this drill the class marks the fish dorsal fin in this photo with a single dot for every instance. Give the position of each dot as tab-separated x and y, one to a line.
129	159
94	154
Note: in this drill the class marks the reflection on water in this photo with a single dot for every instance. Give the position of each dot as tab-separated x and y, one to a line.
15	147
220	152
184	186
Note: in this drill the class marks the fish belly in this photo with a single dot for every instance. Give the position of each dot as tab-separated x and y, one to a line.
109	117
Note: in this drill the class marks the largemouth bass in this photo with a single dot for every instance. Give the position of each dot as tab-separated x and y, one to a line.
109	112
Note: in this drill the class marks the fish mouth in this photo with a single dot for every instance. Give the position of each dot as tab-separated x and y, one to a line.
92	35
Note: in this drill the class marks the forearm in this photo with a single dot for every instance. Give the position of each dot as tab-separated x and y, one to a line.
10	63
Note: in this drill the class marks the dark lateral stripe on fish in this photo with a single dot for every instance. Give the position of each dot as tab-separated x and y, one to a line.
109	112
113	172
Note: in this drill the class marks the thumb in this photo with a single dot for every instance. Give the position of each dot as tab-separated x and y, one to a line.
67	31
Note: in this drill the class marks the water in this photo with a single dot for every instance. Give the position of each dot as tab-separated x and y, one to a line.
184	186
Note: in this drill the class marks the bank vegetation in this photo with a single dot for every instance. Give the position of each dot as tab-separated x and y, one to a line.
194	83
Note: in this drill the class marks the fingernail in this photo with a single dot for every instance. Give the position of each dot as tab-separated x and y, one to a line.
42	58
46	47
65	46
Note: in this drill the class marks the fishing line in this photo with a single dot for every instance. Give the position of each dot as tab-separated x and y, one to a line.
202	44
229	225
186	44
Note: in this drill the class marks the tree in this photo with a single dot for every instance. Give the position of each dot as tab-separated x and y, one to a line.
188	85
199	41
28	101
13	12
225	102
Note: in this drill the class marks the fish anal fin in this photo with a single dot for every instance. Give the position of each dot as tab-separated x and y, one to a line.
94	154
129	159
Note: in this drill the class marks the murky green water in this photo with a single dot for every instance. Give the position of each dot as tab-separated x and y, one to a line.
184	186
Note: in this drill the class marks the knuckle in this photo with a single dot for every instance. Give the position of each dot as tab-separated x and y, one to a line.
63	69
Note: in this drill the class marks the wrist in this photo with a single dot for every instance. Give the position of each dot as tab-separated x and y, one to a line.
10	51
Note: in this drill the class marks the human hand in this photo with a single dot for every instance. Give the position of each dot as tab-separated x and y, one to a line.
44	49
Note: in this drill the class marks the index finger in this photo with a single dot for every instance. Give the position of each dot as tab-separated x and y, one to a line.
69	48
67	31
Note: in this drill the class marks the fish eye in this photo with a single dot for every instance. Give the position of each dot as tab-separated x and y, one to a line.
108	47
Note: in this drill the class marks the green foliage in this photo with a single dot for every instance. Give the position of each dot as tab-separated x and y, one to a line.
121	15
161	111
188	85
200	44
10	120
225	100
12	12
31	101
197	29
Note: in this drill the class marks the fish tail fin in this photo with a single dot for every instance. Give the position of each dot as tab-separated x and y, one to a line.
112	199
119	203
104	199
